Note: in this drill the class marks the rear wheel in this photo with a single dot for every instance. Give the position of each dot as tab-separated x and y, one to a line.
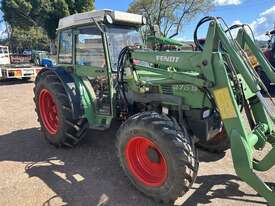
55	113
157	157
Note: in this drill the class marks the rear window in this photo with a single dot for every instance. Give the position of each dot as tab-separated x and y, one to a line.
66	47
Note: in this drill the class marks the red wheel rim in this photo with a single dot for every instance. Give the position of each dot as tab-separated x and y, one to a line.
146	162
48	111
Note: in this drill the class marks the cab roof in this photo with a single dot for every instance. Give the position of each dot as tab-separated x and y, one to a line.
118	17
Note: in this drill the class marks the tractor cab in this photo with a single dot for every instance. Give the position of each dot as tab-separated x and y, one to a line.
90	44
97	37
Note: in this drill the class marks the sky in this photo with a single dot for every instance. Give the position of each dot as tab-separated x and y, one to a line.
259	14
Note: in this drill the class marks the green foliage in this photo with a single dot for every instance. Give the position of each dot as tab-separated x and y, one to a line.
83	5
169	15
16	12
45	14
51	12
31	38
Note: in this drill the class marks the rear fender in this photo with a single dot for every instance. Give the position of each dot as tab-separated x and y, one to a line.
71	89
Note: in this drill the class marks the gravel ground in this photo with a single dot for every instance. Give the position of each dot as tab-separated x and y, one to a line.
35	173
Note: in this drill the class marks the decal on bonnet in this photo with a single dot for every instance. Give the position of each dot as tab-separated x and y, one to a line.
167	59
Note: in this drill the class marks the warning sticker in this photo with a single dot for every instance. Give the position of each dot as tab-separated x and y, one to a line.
224	103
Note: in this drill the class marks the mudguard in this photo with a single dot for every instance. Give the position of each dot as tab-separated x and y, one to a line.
71	89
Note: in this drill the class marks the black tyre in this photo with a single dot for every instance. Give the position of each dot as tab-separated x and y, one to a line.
55	113
158	158
218	144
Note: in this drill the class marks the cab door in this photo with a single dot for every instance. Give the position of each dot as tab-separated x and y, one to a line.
90	64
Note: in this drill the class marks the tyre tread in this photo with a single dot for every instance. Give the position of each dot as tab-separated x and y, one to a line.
75	130
179	145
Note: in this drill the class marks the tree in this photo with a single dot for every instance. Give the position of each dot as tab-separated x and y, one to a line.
31	38
51	12
169	15
45	14
17	12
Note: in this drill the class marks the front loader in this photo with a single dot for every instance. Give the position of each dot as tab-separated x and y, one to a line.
167	101
259	60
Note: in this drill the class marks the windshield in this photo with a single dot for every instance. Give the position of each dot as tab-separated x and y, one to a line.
120	37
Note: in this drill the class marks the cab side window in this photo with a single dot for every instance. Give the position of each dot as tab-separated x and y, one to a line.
66	47
89	48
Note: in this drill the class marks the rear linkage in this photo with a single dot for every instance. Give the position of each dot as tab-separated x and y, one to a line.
222	62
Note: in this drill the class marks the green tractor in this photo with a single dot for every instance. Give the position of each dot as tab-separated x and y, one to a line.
168	101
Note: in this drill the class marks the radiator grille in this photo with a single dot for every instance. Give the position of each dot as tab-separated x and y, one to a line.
167	90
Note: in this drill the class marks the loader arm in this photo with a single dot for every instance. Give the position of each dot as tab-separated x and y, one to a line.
244	39
218	66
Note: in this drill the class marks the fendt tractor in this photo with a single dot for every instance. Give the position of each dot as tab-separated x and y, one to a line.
167	100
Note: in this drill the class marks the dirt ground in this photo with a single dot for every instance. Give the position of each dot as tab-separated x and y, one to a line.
35	173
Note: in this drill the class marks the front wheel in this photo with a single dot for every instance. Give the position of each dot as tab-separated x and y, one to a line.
159	159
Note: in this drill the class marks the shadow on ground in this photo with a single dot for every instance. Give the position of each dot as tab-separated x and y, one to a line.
14	81
230	191
90	174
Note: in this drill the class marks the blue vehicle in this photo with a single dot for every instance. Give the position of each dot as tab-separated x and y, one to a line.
41	58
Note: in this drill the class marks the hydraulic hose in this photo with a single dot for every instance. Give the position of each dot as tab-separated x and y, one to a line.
201	22
236	26
122	58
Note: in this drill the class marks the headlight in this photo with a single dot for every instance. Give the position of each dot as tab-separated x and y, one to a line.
109	19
